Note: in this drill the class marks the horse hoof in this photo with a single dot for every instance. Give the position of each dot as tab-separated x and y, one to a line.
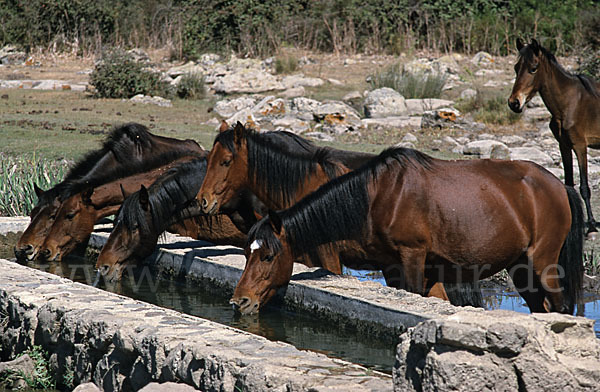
591	236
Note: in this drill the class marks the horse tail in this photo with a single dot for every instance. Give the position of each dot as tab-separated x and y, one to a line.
464	294
571	254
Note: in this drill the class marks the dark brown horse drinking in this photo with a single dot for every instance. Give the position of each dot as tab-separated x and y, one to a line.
93	200
125	145
424	221
148	212
573	101
281	168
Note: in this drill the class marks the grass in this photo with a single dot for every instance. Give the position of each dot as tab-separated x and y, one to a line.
489	110
17	176
286	64
410	85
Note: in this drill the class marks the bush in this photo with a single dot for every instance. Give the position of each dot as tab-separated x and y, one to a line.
589	64
410	85
286	64
117	75
191	86
17	176
489	111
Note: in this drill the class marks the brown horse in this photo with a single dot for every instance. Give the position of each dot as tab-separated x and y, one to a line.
573	101
125	145
77	214
148	212
280	169
425	220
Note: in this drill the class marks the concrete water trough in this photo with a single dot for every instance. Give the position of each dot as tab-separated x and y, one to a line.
121	343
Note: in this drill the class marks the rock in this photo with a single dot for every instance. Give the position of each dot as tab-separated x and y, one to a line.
384	102
393	122
246	117
228	107
292	124
531	154
303	108
299	80
167	387
536	102
160	101
338	109
9	55
189	67
271	107
482	59
209	59
419	106
320	136
450	144
139	55
87	387
499	351
485	136
537	114
409	137
440	118
484	148
23	365
247	80
335	82
511	140
468	93
293	92
405	145
353	97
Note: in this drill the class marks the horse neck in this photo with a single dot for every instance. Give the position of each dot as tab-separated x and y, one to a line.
552	90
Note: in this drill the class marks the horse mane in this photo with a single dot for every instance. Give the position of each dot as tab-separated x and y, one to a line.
118	142
281	160
71	187
168	194
338	210
588	84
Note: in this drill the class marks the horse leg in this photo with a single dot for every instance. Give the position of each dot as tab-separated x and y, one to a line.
528	286
394	277
436	289
566	154
584	188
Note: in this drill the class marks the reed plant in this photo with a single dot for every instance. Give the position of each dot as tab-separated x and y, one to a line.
17	176
409	84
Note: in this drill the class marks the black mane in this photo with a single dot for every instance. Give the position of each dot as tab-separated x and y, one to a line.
72	187
169	194
337	210
281	161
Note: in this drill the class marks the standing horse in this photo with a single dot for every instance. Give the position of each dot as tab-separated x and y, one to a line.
148	212
573	101
279	174
426	220
93	200
127	144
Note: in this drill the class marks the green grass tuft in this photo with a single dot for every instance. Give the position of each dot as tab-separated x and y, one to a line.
410	85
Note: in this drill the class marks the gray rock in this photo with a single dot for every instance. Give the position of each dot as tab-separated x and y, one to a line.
537	114
484	148
9	55
87	387
482	59
531	154
23	365
335	82
512	140
353	97
270	108
384	102
159	101
468	93
292	124
248	80
304	108
139	55
320	136
228	107
409	137
419	106
209	59
293	92
189	67
393	122
441	118
167	387
405	145
536	102
450	144
300	80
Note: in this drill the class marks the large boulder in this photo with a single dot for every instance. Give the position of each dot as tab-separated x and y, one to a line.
487	149
531	154
384	102
420	106
499	351
247	80
299	80
229	107
337	117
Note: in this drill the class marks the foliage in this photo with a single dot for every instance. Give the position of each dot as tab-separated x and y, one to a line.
253	28
118	75
589	63
191	86
42	378
17	176
490	111
286	64
410	85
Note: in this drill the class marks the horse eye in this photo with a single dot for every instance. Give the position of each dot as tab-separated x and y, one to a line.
226	163
534	69
268	258
52	217
70	216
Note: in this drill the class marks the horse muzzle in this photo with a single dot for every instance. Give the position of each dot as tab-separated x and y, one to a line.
245	305
209	207
25	252
516	105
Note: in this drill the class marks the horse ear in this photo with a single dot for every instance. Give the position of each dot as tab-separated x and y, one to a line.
86	196
535	46
144	198
275	220
520	44
38	191
238	133
223	126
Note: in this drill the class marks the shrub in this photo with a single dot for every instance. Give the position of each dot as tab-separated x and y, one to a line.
117	75
410	85
17	176
191	86
489	111
286	64
589	64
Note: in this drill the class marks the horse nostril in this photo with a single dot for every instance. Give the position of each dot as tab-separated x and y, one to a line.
104	269
45	253
204	202
27	248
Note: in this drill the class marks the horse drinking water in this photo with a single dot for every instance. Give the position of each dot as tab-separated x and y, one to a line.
574	102
425	221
